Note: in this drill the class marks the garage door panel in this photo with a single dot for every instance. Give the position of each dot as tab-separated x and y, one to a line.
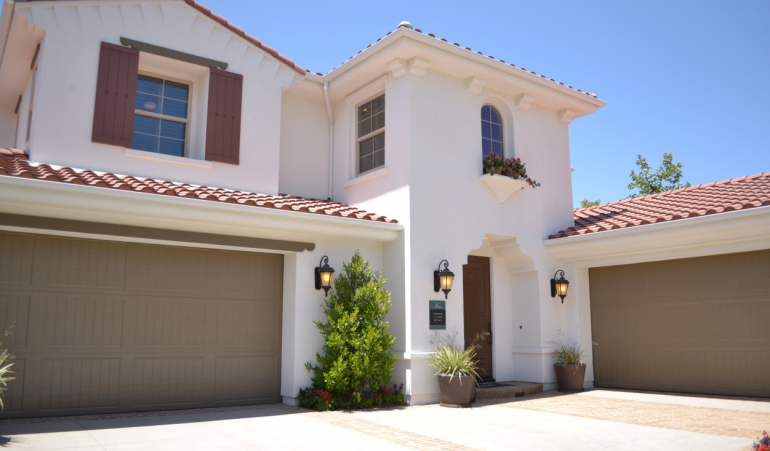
16	257
676	322
243	323
620	365
111	327
62	262
743	369
708	329
259	371
72	320
621	323
14	318
170	322
168	380
166	269
78	383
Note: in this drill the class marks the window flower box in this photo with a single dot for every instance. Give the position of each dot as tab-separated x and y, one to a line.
505	176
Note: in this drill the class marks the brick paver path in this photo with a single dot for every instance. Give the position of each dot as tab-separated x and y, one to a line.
706	420
389	434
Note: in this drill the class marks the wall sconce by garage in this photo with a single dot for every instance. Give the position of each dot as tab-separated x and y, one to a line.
443	278
559	286
324	275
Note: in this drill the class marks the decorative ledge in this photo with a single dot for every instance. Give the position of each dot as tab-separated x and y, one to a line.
367	176
503	186
169	159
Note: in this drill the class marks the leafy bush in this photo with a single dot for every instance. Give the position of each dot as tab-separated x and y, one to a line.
763	444
450	359
5	369
356	359
311	398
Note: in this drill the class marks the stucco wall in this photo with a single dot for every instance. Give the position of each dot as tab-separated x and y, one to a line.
67	79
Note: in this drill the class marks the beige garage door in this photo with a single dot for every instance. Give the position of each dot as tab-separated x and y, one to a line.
111	327
695	325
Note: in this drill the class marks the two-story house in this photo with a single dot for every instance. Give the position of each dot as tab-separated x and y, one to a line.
169	183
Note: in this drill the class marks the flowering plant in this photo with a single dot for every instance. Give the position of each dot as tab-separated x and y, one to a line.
763	444
510	167
311	398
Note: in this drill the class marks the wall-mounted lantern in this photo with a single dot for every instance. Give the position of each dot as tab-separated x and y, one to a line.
559	286
324	275
443	278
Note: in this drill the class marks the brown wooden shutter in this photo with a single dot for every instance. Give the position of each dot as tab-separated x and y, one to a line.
115	95
223	126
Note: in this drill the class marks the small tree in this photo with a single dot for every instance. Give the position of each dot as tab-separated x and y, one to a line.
356	356
585	203
666	178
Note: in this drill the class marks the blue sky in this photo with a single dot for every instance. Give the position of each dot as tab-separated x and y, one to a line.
687	77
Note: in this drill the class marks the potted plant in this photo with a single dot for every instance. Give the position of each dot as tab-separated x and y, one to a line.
509	167
456	370
570	369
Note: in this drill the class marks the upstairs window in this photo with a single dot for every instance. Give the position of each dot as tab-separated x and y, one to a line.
161	116
491	131
371	134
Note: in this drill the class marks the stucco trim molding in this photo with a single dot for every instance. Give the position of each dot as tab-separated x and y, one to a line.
502	186
154	156
366	177
723	233
532	350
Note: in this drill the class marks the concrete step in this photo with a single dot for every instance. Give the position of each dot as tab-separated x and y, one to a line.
495	390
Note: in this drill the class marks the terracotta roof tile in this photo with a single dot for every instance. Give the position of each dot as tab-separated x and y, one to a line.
14	163
701	200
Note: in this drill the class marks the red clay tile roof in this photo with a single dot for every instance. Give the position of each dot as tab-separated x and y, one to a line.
590	94
713	198
14	163
237	30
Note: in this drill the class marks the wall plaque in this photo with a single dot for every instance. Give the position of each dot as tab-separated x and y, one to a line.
437	311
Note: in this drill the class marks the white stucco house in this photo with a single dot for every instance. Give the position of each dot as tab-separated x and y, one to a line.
168	183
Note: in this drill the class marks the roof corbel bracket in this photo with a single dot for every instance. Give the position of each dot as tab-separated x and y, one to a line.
474	84
417	66
524	101
566	115
398	67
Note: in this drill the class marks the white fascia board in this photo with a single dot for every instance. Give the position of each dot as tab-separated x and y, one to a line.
86	203
722	233
483	60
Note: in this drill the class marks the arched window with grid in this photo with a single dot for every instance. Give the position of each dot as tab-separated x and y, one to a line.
491	131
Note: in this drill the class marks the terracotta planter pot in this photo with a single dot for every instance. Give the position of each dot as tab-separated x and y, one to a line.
457	393
498	170
570	377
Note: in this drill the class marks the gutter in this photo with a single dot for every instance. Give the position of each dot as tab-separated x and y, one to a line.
86	203
6	17
331	138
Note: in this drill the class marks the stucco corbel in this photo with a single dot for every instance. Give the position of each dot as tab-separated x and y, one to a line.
398	68
417	66
523	101
566	115
474	84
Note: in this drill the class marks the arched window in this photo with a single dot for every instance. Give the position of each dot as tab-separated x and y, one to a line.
491	131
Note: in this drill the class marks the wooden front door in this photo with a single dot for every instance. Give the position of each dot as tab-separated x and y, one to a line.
477	310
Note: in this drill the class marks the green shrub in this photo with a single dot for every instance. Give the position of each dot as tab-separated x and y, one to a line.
5	369
356	359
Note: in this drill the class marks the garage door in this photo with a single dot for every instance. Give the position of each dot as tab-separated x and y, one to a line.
111	327
695	325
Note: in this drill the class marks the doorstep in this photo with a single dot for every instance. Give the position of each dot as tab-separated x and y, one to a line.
496	390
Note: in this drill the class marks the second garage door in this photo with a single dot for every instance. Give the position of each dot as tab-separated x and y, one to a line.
695	325
109	327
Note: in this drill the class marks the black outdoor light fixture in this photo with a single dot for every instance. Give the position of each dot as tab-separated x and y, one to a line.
324	275
443	278
559	286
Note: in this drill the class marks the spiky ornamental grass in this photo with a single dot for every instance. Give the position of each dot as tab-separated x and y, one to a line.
5	370
356	357
453	360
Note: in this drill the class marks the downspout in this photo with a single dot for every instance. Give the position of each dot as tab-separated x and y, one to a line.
331	138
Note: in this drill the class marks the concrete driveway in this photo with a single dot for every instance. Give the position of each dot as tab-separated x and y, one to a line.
597	419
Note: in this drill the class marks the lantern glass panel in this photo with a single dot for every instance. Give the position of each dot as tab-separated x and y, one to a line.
446	282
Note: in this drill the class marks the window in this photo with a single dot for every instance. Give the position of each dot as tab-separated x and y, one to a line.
371	134
491	131
161	116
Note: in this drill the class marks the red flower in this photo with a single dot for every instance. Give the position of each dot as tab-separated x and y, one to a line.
327	403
